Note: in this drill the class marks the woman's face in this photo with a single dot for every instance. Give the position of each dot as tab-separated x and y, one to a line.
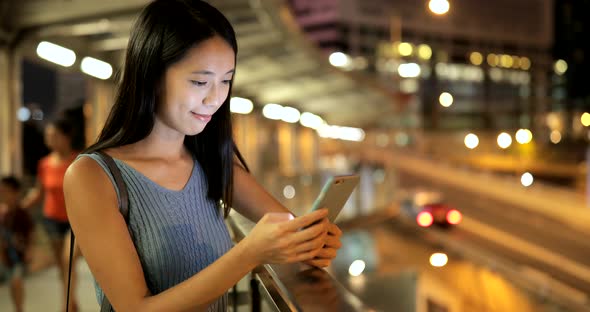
55	139
196	86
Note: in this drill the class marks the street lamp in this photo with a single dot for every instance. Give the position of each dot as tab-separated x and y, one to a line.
439	7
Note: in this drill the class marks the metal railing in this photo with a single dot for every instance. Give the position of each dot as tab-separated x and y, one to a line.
294	287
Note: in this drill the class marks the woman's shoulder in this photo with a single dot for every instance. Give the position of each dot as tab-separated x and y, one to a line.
84	169
44	161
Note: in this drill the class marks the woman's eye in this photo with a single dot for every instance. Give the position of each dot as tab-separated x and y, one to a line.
198	83
227	81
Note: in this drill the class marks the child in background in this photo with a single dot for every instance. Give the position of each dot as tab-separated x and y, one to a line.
16	227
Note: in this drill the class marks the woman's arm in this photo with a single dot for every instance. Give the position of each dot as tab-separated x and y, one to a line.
104	240
33	196
250	199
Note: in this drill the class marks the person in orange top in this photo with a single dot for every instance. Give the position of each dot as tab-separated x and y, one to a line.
49	187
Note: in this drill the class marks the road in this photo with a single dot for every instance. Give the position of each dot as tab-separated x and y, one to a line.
548	234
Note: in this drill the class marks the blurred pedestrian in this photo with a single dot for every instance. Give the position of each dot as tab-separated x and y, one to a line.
16	227
49	187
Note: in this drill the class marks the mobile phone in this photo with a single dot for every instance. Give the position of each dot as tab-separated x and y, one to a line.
334	194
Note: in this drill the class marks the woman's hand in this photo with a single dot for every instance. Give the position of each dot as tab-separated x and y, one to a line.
328	252
278	238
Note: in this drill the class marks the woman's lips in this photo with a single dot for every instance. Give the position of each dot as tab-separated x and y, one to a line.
202	117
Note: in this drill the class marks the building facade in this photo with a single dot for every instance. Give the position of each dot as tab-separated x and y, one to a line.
492	57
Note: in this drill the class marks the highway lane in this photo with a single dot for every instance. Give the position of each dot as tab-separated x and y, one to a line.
539	230
533	227
396	256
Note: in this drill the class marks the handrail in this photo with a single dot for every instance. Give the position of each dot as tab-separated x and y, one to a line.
295	287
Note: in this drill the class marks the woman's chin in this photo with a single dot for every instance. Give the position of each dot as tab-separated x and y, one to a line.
194	131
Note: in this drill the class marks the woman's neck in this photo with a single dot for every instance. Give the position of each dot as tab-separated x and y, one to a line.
161	143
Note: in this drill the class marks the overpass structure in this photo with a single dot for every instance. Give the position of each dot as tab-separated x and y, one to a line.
275	63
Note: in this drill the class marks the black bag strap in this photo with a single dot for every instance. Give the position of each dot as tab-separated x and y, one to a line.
123	207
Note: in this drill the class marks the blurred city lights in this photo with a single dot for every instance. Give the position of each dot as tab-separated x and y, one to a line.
339	59
23	114
409	85
506	61
439	259
476	58
424	51
439	7
360	63
240	105
341	133
424	219
560	67
493	60
445	99
96	68
454	216
585	119
471	141
526	179
402	139
525	63
405	49
515	62
310	120
290	114
382	139
56	54
272	111
524	136
555	136
409	70
289	191
504	140
357	268
278	112
496	74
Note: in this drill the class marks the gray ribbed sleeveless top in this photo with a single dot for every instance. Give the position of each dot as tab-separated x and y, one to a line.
176	233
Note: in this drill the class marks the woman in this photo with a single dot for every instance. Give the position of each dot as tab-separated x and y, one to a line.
49	187
170	134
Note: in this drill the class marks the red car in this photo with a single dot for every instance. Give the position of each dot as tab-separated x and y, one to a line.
428	208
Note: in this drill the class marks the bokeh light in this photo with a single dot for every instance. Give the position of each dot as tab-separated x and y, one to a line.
471	141
524	136
439	259
527	179
504	140
357	268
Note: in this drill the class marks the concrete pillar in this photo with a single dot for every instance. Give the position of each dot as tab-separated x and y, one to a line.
10	101
247	137
308	150
287	149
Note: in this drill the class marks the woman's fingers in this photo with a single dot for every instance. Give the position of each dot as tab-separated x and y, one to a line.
334	230
309	233
305	220
327	253
333	241
313	244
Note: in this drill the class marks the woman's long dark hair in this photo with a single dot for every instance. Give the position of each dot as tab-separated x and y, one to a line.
163	34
